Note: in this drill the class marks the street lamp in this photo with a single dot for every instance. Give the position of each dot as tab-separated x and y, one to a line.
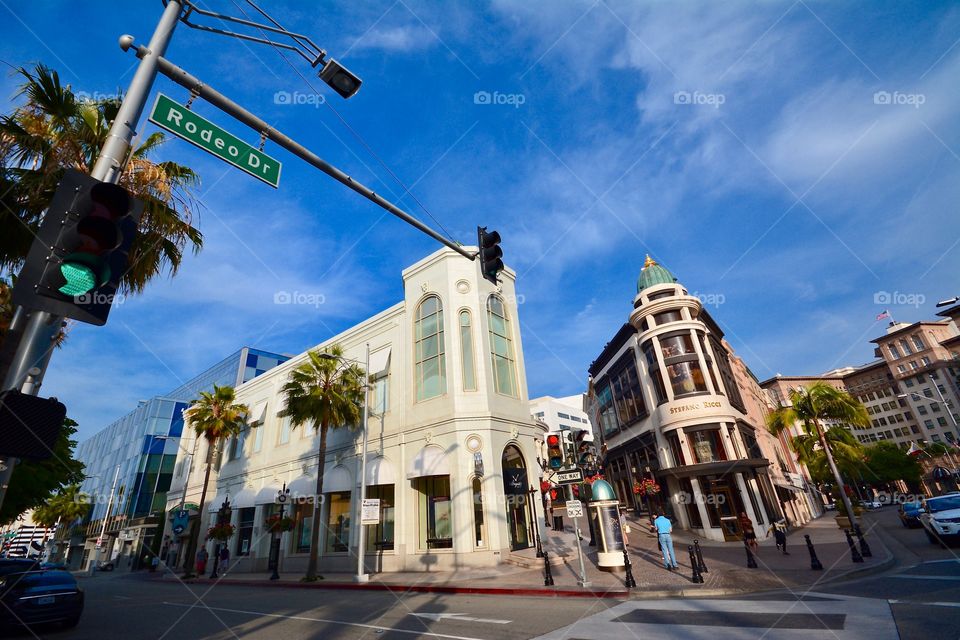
223	517
361	575
282	496
103	527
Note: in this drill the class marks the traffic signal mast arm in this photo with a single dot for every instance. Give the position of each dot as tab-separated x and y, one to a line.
228	106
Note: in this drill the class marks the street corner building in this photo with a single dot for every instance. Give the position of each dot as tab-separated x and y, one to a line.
673	404
451	451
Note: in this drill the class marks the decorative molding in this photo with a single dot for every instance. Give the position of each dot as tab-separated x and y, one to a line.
474	443
428	436
424	286
463	286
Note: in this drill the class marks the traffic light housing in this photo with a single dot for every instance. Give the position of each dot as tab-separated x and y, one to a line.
554	451
82	250
490	253
582	447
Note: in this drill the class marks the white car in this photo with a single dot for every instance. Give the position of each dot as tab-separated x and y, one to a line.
941	518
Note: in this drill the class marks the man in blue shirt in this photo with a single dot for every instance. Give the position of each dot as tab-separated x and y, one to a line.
664	527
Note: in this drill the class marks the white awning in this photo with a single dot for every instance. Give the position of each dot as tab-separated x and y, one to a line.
379	361
267	495
430	461
259	414
217	502
337	479
243	499
380	471
302	487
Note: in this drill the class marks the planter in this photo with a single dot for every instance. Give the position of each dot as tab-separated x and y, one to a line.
843	522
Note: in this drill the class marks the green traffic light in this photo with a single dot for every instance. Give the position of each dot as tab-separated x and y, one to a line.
79	278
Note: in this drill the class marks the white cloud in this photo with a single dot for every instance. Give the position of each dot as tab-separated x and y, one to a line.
395	39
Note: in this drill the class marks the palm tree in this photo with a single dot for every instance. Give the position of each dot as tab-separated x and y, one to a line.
326	391
847	452
811	406
215	416
57	129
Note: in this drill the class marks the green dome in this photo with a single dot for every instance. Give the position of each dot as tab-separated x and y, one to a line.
601	490
653	274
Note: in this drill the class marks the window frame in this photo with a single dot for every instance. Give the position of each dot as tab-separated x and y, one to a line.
510	357
419	363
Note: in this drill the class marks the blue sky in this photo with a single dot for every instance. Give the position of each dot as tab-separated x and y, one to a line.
745	146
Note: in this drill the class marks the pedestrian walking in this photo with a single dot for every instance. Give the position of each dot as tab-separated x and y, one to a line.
154	563
746	525
202	561
779	529
664	528
224	559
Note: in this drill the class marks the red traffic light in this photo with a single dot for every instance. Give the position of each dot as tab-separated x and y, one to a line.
553	441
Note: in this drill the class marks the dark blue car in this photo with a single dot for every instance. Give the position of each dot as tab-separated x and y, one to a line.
40	597
909	513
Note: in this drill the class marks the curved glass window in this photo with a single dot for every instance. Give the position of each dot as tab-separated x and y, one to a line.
501	349
707	446
667	317
431	373
686	377
653	366
679	345
466	352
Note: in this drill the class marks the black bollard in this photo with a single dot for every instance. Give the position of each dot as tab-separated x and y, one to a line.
697	578
702	565
629	580
751	562
864	547
814	561
547	575
854	554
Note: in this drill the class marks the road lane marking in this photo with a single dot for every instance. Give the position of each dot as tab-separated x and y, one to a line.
913	577
925	604
437	617
340	622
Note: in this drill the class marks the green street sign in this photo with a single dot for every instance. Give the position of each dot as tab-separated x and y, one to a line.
184	123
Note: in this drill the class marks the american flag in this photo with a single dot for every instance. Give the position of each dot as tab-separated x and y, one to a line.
883	314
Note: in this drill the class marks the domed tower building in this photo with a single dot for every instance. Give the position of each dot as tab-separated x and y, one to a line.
668	409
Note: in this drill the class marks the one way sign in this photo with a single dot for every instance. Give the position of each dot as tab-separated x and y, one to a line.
569	476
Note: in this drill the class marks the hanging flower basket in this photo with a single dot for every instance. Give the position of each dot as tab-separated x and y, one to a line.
221	532
276	524
591	479
646	487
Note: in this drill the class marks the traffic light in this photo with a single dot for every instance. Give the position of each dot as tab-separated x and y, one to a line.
81	251
554	451
582	447
489	253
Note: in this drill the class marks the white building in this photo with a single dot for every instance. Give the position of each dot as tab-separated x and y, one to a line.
450	435
561	414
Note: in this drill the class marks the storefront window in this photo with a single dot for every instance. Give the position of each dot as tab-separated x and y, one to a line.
666	317
676	345
627	395
338	522
686	378
707	446
674	441
431	371
380	536
653	366
608	413
690	502
245	518
478	528
435	512
303	513
750	441
726	375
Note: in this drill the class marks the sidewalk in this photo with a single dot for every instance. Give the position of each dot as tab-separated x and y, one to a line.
727	571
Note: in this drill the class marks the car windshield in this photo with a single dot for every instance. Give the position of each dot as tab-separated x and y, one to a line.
943	503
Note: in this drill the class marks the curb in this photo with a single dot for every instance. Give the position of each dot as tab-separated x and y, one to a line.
353	586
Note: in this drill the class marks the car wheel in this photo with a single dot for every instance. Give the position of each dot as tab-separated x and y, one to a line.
70	623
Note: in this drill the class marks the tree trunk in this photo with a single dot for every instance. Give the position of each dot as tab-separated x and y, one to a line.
836	474
317	504
195	533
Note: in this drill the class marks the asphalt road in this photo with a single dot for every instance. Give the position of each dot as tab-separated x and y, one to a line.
919	598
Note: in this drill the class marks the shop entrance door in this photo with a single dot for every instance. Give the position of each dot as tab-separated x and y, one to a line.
727	509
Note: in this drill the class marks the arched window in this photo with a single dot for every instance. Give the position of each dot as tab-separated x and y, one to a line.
501	349
466	352
431	372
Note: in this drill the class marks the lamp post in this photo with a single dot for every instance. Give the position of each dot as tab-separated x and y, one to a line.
361	575
103	527
282	496
223	517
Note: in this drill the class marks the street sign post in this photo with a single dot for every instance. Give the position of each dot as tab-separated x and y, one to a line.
569	476
184	123
574	509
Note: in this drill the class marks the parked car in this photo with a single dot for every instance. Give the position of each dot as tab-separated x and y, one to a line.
909	513
941	518
17	565
871	504
830	506
105	565
40	597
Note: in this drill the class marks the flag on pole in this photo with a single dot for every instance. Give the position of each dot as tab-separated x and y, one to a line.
883	314
914	450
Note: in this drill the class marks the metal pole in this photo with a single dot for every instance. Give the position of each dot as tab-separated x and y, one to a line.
943	401
231	108
41	327
361	575
103	527
583	582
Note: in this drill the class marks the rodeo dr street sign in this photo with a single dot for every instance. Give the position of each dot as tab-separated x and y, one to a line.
184	123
